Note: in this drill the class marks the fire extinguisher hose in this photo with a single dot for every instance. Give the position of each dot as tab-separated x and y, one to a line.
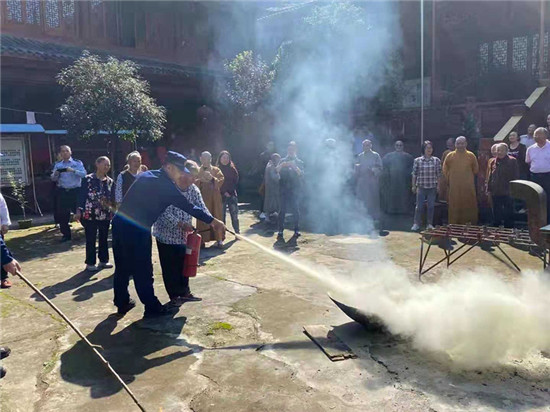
81	335
235	234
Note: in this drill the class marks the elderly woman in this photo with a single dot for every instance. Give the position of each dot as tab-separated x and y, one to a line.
171	230
229	188
209	181
95	205
272	197
128	175
426	173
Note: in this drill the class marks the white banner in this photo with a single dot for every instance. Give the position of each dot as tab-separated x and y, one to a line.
13	159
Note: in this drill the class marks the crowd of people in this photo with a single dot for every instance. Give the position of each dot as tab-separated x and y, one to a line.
141	202
452	180
281	187
392	184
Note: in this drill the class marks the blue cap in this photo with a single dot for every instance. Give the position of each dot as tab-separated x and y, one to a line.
177	159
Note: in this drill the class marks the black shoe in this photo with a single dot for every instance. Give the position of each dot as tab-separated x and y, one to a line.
297	233
2	372
189	297
4	352
123	310
65	239
175	302
162	311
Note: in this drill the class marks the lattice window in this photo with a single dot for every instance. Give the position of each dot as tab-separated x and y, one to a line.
500	54
33	11
483	58
519	54
68	9
15	11
52	14
545	55
535	54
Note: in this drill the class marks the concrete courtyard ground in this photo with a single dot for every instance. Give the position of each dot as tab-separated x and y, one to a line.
242	348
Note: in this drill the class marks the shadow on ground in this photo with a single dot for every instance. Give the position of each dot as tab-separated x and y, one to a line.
128	351
41	242
77	283
213	251
88	291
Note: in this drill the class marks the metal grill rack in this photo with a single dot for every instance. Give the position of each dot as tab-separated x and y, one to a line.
472	236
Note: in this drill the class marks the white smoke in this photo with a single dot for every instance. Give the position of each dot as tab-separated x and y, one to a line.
476	318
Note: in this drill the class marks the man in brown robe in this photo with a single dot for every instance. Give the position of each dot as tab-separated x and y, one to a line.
460	168
209	181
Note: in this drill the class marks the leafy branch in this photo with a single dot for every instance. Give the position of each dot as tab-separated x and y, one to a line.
18	192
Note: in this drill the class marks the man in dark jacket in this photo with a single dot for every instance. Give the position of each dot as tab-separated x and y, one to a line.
502	170
149	196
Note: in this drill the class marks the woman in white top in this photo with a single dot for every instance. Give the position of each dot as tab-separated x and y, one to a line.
170	231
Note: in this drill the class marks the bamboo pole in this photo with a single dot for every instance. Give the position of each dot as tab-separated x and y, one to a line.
81	335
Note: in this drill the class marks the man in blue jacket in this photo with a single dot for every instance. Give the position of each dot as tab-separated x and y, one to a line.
10	265
151	193
67	174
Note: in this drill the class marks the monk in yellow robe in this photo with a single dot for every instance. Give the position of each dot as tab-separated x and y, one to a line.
460	168
209	181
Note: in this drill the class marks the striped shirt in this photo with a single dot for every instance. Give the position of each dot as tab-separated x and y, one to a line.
426	171
166	229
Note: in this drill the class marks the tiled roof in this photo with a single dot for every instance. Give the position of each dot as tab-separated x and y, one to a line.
14	45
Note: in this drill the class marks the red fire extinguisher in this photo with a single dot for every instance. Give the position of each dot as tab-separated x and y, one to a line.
192	254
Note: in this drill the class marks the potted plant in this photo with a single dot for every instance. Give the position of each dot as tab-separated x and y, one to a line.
18	193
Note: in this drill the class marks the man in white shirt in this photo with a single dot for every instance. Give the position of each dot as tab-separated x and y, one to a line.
528	139
538	159
5	223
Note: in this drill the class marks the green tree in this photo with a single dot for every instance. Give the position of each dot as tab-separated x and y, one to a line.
250	80
18	192
336	19
109	95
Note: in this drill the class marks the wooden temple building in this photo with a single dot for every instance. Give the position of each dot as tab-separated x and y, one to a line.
482	61
178	46
486	69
